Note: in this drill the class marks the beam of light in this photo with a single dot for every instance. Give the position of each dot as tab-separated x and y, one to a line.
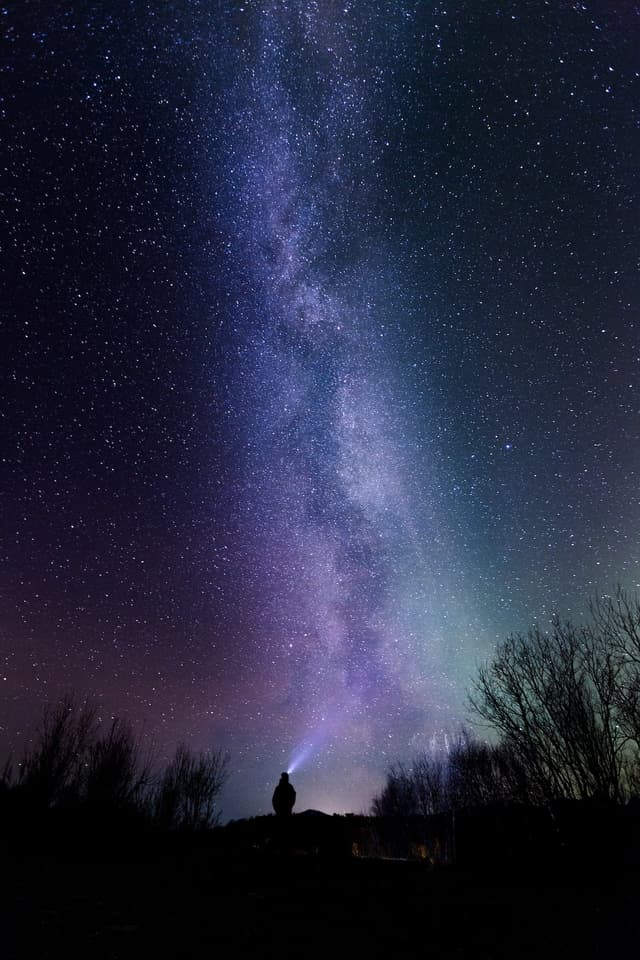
304	751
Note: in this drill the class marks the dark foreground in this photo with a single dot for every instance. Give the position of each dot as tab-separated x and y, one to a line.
497	883
193	904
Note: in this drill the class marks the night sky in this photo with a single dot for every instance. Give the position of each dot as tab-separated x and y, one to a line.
320	364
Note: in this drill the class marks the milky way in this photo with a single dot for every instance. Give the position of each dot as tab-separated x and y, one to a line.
323	365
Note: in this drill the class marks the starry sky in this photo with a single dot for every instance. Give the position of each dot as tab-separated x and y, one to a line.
321	367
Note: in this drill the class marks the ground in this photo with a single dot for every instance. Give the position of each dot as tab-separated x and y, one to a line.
201	903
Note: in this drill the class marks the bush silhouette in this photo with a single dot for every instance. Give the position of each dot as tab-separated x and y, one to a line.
187	792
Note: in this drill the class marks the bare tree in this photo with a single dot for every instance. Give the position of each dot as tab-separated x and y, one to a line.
116	773
398	796
468	774
7	775
74	759
430	776
188	791
553	696
564	708
52	770
513	784
617	620
484	774
472	776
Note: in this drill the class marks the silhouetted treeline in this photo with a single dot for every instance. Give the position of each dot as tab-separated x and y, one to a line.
80	766
563	710
468	774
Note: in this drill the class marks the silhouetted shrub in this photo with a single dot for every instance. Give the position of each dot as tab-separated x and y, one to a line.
116	776
468	774
53	769
188	790
79	772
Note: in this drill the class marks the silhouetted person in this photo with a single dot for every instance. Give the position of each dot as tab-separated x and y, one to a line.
284	797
